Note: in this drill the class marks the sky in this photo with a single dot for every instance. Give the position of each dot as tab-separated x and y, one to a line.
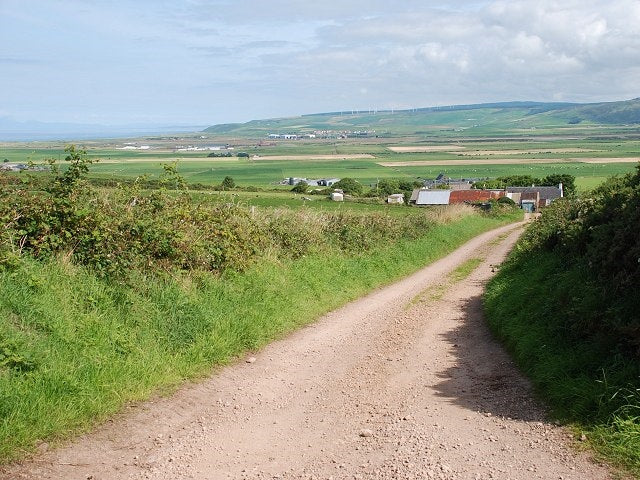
202	62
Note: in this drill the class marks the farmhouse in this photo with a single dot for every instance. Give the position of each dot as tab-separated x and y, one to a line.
464	196
13	167
452	184
320	182
533	198
424	197
396	198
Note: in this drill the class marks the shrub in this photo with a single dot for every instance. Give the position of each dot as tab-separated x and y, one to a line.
130	228
598	234
228	183
349	186
506	201
300	187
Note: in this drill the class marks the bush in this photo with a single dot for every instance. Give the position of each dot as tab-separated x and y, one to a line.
566	304
599	234
349	186
300	187
129	228
228	183
506	201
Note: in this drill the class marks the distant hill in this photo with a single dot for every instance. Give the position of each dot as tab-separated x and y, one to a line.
473	119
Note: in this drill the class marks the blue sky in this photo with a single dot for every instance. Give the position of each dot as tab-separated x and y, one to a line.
212	61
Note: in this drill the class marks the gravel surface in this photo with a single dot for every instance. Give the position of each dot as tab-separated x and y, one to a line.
406	383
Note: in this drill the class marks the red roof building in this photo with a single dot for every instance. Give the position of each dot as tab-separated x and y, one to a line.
462	196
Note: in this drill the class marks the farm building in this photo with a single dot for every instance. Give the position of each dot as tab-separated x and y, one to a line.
464	196
396	198
320	182
327	182
13	167
450	197
432	197
539	197
530	198
452	184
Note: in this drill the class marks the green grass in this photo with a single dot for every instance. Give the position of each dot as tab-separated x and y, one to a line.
197	168
475	121
464	270
436	292
291	200
82	347
586	380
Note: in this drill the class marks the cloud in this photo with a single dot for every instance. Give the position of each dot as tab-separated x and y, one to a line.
230	60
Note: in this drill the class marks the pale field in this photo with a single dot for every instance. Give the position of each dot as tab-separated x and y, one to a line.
507	161
426	149
350	156
609	160
525	152
143	159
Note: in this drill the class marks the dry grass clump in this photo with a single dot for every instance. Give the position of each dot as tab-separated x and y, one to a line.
451	213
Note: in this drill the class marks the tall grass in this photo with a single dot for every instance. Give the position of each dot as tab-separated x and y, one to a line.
76	346
587	380
566	305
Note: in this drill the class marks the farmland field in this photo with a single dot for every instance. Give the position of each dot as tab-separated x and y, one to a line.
590	159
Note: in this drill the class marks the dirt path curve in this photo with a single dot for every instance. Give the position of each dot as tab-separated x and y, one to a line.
406	383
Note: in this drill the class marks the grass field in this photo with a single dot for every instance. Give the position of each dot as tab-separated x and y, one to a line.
589	159
296	201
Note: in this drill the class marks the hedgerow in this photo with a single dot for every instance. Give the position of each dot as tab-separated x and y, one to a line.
130	227
599	234
567	303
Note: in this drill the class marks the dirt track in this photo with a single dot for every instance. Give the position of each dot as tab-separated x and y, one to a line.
406	383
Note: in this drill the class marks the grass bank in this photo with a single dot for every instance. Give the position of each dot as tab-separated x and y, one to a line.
566	305
75	346
586	380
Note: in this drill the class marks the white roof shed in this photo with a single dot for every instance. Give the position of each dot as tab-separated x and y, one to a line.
433	197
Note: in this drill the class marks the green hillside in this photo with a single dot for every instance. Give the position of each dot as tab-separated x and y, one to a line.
478	119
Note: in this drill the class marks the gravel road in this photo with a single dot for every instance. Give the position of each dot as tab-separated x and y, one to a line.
406	383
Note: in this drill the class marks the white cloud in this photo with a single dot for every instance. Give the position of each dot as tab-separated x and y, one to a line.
224	60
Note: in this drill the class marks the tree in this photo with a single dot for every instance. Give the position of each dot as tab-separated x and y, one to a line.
568	183
350	186
65	183
228	183
300	187
388	186
519	181
409	184
507	181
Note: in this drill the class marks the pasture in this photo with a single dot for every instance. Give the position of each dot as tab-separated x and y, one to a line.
366	160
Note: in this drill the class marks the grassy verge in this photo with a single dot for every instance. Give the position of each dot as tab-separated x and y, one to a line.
588	380
74	347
